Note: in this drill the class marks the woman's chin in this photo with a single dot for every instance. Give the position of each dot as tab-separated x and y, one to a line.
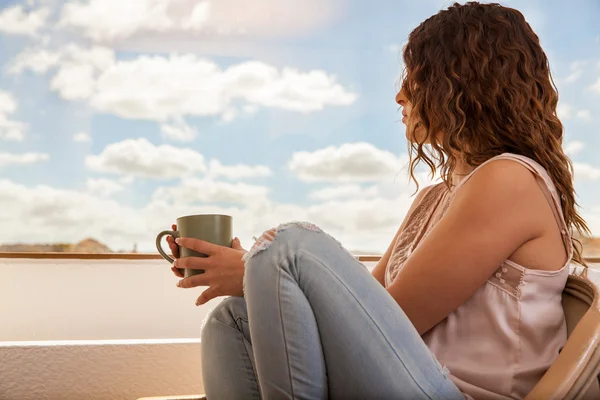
410	135
416	136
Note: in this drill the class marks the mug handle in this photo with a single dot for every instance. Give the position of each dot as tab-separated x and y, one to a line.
175	234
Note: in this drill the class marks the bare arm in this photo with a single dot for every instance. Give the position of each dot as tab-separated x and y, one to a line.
379	270
492	215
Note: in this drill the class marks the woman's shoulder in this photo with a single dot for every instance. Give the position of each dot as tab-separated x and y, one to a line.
503	190
509	169
505	175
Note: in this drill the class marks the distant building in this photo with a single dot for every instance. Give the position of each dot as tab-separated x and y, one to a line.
88	245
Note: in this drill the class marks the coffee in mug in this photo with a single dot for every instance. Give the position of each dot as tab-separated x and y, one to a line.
213	228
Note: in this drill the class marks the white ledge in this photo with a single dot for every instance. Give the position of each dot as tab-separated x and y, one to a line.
122	342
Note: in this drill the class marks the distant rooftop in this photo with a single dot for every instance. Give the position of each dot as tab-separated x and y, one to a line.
88	245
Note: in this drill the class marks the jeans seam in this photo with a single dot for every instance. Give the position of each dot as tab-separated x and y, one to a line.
369	316
283	332
248	355
250	358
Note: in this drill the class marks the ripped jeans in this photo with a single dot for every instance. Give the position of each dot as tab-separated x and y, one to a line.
314	324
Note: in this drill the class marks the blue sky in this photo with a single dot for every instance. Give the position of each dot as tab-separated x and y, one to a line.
115	121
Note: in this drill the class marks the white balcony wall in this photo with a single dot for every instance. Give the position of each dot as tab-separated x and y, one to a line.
95	300
97	329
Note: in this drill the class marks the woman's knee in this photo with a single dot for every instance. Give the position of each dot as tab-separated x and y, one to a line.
295	230
287	239
226	314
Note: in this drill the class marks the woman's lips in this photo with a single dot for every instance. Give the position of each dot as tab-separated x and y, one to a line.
404	118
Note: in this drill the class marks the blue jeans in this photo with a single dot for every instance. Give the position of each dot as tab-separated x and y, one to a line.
315	324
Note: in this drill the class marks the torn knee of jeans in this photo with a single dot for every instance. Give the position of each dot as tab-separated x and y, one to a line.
260	244
267	238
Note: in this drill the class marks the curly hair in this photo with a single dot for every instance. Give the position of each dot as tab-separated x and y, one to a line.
480	85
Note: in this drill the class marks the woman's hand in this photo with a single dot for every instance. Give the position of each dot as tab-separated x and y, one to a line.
223	268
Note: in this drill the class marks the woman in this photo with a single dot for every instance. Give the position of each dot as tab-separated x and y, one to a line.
473	278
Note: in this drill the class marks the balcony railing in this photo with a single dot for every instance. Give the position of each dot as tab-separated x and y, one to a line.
153	256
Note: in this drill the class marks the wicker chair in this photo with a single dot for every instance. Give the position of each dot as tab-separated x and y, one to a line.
574	374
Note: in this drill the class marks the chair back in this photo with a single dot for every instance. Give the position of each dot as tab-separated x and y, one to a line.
574	374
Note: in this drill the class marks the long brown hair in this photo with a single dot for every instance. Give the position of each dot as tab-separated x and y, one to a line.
480	85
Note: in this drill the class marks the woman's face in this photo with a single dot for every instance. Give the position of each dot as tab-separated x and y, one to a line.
413	131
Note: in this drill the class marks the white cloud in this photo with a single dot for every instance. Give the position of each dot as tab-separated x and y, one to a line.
58	215
250	109
192	190
76	77
38	60
229	115
199	17
16	21
585	172
103	187
82	137
349	162
596	86
564	111
74	81
100	58
179	131
159	88
106	20
11	159
343	192
115	20
77	68
167	88
55	215
126	179
576	71
239	171
584	115
68	215
253	212
139	157
394	48
356	216
10	129
573	147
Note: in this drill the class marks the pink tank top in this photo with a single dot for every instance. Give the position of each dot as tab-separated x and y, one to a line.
500	342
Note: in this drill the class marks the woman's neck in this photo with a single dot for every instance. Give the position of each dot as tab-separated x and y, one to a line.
461	170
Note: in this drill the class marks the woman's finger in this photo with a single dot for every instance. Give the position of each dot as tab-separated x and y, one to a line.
210	293
177	272
237	245
194	281
174	248
198	245
204	263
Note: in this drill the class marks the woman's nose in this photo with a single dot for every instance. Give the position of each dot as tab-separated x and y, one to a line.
400	98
